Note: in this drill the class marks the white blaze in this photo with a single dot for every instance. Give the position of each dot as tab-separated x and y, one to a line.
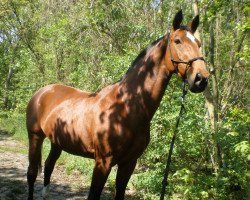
191	37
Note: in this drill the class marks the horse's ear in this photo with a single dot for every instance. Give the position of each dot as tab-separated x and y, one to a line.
177	20
195	23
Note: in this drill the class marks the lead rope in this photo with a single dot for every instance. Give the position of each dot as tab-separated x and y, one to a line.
165	179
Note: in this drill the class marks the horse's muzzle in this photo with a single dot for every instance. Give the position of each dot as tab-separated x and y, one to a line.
200	83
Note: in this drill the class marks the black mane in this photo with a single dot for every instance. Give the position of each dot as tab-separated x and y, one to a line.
142	54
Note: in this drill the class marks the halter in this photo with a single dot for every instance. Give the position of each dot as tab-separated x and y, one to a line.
188	63
184	92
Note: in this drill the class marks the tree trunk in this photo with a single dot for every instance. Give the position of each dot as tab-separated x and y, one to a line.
7	103
211	99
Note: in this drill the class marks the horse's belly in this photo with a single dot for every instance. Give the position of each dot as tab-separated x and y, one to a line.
70	137
73	144
79	152
68	130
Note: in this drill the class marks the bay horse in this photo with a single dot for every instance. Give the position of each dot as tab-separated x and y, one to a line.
112	126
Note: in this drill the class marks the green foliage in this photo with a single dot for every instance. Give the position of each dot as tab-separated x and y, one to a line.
14	124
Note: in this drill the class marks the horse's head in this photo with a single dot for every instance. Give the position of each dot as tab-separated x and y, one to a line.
185	54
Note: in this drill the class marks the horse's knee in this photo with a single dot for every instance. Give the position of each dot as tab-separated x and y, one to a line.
99	178
32	174
124	173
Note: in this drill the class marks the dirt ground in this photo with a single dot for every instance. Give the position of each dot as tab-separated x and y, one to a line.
13	184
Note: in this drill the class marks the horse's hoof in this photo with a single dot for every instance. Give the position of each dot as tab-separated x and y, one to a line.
46	192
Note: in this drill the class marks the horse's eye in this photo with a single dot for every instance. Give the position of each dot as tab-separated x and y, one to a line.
177	41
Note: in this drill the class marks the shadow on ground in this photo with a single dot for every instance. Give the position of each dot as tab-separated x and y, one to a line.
13	186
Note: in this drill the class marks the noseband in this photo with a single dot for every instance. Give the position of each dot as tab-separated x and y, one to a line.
188	63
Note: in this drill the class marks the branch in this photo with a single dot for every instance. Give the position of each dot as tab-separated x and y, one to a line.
230	85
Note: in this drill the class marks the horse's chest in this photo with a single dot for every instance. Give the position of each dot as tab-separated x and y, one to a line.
122	139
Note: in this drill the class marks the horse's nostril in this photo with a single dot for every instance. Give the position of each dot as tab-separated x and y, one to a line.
198	78
205	80
200	81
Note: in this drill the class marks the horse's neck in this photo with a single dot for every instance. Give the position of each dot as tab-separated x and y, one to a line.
146	83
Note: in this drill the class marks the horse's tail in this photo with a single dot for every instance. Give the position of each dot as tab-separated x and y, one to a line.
40	162
35	150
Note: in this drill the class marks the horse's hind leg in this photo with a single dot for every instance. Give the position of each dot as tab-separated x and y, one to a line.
50	162
35	156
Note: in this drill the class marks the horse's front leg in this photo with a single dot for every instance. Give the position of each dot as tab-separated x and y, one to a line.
124	173
100	174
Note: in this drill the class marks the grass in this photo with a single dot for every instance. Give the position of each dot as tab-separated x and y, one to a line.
13	149
14	125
